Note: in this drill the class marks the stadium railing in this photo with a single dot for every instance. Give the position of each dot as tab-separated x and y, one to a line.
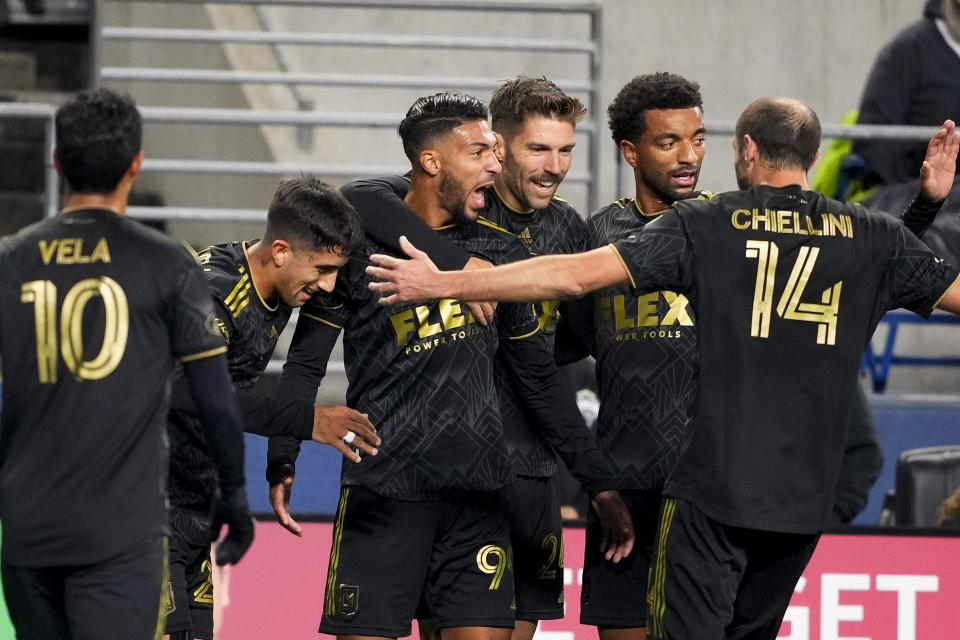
589	46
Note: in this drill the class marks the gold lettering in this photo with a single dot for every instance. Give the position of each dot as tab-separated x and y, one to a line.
426	328
764	217
783	221
620	313
601	310
736	222
101	252
678	310
647	310
46	250
65	251
451	313
402	326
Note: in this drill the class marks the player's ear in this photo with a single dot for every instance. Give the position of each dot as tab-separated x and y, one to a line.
499	149
430	162
629	151
134	169
749	149
280	252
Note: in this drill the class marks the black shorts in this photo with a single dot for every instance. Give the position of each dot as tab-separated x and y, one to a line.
189	591
116	599
387	552
615	595
710	580
536	533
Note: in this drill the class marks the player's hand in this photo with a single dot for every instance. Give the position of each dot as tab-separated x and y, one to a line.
404	280
940	163
333	424
280	501
482	311
617	541
233	510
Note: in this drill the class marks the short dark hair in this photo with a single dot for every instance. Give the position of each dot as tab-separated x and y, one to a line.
98	135
437	115
307	212
518	99
627	114
787	132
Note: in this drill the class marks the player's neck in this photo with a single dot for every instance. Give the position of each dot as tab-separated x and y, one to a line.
111	201
505	195
649	203
261	269
779	178
423	199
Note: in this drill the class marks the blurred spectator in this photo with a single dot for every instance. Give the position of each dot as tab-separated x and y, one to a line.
915	80
948	515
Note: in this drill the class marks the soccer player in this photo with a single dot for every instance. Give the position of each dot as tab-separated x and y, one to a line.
427	515
648	342
94	312
534	121
311	231
783	313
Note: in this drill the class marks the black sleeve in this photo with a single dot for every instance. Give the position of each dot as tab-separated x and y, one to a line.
306	364
862	463
547	395
386	217
920	214
574	339
216	404
264	416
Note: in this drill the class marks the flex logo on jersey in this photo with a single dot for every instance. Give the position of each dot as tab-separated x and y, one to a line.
70	251
620	311
425	322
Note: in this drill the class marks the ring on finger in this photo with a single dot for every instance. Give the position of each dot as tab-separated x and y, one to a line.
349	437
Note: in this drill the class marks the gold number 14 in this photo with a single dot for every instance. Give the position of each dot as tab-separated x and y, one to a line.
789	307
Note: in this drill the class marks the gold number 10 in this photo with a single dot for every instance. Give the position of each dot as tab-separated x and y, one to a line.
43	295
789	306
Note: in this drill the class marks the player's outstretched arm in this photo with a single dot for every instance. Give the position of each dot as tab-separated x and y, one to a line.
543	278
618	535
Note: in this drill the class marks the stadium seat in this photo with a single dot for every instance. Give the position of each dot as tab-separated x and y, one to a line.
925	478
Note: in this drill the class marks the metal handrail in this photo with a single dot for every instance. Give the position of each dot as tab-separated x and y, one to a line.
216	76
200	115
177	165
588	45
556	6
343	39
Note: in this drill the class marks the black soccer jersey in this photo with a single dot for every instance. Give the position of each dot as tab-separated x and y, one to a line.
646	351
787	287
94	309
424	374
251	327
558	228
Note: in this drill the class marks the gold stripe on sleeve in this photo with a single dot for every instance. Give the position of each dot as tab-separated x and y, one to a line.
318	319
633	283
204	354
940	299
